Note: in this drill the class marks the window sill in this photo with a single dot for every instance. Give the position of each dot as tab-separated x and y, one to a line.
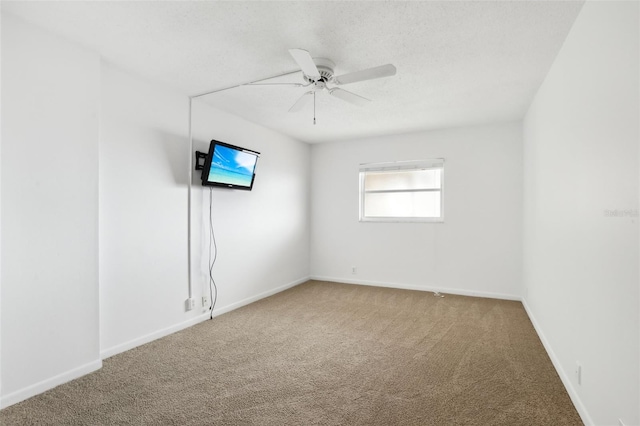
403	219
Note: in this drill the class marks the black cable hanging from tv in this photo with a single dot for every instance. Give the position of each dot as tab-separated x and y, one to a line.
212	238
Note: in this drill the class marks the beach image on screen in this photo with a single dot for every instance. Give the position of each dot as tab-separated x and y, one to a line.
232	167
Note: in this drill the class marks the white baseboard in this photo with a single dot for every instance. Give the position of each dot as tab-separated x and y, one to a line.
241	303
575	398
193	321
50	383
139	341
461	292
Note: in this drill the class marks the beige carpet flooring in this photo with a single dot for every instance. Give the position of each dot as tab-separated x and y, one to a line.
326	354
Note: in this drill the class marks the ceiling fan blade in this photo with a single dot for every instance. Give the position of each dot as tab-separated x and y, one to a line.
276	84
349	97
368	74
305	62
301	102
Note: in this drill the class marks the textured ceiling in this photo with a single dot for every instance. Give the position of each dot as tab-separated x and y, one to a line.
459	63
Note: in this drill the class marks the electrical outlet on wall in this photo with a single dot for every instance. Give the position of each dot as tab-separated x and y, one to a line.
205	301
579	373
354	270
189	304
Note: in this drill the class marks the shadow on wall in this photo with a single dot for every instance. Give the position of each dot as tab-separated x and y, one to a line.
174	148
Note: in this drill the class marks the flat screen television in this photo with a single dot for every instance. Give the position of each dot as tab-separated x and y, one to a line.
229	166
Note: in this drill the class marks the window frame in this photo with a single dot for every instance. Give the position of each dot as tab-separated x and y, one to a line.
436	163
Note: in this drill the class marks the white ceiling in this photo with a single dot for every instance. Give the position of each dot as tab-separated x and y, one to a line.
459	63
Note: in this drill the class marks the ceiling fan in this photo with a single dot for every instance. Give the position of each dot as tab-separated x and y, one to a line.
318	74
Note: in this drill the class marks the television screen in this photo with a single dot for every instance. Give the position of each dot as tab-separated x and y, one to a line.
229	166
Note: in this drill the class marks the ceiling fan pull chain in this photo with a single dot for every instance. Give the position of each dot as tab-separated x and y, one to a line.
314	108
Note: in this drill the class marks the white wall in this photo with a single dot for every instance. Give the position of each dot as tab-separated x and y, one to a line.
50	104
477	250
144	161
262	235
95	252
143	211
0	220
581	159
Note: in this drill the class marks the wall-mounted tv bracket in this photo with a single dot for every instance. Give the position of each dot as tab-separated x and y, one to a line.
200	159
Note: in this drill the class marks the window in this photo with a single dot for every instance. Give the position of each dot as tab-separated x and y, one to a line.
402	192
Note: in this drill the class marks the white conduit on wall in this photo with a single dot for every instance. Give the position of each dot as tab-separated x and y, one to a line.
191	154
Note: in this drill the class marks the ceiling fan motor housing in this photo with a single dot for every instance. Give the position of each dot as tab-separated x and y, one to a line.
325	68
